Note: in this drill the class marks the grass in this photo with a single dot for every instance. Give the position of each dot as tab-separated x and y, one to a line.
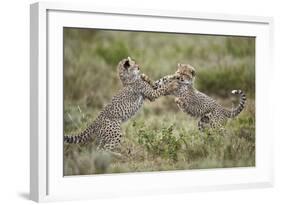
169	141
160	137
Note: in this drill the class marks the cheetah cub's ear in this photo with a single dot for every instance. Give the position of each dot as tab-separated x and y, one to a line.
127	63
193	72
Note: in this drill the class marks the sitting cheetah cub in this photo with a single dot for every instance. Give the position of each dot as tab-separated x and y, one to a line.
196	103
106	130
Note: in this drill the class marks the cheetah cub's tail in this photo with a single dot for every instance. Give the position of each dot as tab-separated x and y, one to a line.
82	137
233	113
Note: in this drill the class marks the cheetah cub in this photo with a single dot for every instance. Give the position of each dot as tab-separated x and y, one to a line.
196	103
106	129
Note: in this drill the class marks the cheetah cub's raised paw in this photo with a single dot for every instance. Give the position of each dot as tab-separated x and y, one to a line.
172	86
145	78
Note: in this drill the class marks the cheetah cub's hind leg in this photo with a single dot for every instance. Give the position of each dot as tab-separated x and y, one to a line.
109	147
204	122
210	123
111	139
112	145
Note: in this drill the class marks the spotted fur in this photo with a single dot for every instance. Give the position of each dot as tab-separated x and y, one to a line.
196	103
106	129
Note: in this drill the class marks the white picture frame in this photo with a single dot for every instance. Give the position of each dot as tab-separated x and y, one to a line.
46	177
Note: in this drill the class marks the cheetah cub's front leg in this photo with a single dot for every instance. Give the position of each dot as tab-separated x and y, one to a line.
180	103
145	78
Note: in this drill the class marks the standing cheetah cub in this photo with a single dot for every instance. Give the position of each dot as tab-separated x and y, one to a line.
106	129
196	103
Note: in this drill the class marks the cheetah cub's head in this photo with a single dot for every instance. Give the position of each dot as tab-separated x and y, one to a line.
128	71
185	74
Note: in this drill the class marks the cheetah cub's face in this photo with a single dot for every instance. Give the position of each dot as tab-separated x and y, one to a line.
185	74
128	71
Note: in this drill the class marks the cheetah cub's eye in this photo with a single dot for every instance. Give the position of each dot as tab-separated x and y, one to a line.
176	76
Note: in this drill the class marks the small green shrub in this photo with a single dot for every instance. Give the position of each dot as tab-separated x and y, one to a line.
163	143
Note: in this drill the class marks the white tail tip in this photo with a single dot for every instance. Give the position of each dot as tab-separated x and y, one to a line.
234	91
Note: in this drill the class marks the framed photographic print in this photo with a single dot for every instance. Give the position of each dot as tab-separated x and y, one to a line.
127	102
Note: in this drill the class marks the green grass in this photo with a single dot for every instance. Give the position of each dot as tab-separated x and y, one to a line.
160	137
168	141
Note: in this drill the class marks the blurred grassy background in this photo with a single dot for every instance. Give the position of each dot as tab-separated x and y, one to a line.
159	137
